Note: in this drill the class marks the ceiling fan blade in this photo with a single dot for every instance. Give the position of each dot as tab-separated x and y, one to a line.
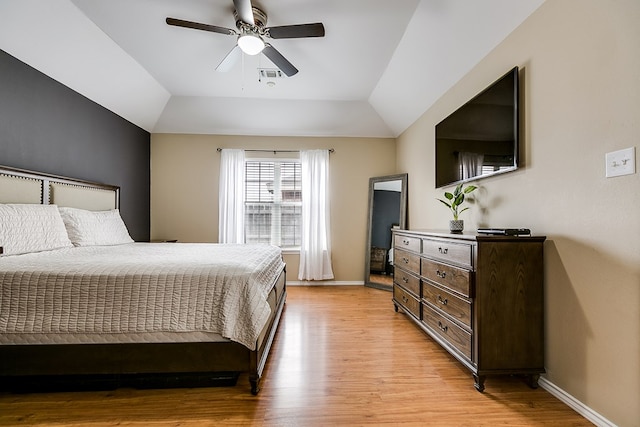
245	11
198	26
279	60
296	31
230	60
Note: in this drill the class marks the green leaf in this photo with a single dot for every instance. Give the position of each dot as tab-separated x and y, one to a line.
445	203
469	189
448	195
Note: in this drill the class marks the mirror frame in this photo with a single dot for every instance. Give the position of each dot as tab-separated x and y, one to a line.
403	177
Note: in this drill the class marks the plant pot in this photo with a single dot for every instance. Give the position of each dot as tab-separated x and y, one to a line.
456	225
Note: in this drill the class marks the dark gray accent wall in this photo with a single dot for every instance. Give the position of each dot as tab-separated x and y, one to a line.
47	127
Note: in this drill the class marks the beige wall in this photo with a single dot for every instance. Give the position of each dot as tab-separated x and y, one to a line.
580	63
184	189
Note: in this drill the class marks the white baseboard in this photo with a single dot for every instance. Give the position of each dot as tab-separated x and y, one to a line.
575	404
323	283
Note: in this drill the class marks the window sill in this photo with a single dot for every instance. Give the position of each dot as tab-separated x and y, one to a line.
291	251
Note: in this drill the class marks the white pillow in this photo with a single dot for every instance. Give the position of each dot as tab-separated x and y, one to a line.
95	228
26	228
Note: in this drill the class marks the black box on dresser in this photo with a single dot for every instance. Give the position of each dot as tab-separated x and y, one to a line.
479	296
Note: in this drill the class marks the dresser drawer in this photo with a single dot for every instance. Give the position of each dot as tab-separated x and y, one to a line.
448	330
406	242
408	281
407	301
407	261
454	306
458	253
454	278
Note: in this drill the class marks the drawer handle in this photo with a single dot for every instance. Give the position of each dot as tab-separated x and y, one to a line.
441	274
442	301
405	242
443	251
442	327
405	260
405	279
405	299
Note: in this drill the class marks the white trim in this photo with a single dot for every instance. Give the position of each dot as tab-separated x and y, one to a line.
291	251
323	283
575	404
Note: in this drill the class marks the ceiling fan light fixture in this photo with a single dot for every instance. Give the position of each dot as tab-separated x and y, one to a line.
251	44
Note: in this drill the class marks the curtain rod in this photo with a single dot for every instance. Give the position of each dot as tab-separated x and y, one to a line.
331	150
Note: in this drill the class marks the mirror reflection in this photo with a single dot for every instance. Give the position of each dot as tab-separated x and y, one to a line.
387	210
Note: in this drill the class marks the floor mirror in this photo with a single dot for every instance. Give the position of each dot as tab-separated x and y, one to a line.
387	210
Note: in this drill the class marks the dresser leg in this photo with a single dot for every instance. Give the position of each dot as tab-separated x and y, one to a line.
532	380
395	307
479	382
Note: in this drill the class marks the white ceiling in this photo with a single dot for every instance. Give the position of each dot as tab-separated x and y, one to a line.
381	64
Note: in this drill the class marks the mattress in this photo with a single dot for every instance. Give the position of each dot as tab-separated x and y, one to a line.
138	292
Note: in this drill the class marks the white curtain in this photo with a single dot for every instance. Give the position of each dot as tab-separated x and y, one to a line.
315	250
231	197
471	164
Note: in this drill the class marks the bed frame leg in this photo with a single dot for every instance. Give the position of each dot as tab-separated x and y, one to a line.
255	384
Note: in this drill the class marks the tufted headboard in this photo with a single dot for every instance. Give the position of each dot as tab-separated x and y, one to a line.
23	186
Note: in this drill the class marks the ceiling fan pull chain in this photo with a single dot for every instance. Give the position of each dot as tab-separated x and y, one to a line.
259	68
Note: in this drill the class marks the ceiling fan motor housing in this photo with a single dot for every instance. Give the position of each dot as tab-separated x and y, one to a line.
259	17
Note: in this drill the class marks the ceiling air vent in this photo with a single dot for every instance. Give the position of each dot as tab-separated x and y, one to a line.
270	74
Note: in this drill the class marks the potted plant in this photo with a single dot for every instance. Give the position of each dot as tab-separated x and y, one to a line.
453	202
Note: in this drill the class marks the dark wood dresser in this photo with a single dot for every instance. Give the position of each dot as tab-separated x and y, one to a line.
479	296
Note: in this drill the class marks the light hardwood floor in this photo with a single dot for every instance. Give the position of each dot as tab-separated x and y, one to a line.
342	357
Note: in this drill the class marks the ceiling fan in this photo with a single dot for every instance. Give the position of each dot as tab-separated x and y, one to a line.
251	32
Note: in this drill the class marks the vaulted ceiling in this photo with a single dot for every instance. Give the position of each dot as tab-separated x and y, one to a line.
380	65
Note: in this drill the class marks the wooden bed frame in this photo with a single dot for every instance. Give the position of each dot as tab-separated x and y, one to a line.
139	364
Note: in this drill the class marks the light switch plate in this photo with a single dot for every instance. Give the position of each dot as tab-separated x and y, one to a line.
621	162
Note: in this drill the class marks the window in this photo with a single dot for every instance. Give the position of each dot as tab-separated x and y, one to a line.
273	202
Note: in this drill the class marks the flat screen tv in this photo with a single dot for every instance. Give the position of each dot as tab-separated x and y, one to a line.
480	138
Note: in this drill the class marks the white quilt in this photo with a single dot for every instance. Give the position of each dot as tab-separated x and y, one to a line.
139	288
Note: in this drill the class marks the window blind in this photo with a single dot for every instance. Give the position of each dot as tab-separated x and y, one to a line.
273	202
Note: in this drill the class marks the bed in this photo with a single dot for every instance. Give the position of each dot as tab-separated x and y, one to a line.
81	302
